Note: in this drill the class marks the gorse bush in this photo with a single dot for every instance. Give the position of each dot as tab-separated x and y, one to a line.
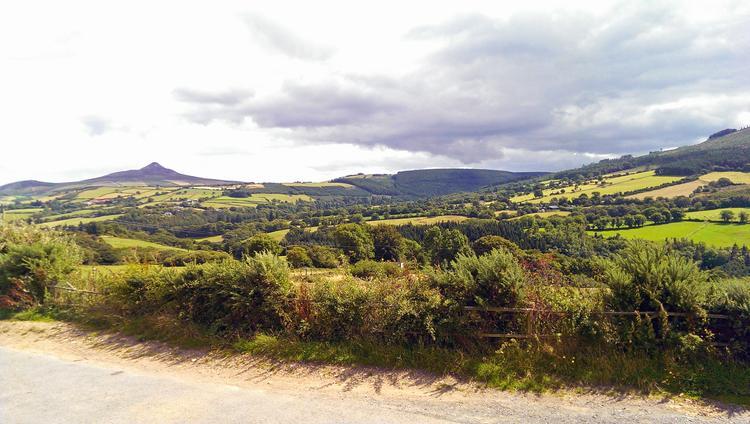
733	298
236	297
140	290
229	297
495	278
391	310
646	276
368	269
335	311
31	261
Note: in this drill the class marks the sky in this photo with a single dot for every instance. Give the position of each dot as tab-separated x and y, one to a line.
309	91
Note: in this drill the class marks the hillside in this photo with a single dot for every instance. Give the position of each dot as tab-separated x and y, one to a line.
433	182
153	174
724	150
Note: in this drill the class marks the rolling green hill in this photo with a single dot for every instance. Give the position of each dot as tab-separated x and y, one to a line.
433	182
727	150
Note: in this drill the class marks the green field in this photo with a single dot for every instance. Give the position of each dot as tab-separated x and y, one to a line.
319	185
715	214
611	185
212	239
684	189
126	243
186	194
419	220
9	200
76	221
254	200
735	177
18	214
544	214
711	233
80	212
278	235
95	193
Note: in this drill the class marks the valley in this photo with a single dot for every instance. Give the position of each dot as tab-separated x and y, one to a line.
294	270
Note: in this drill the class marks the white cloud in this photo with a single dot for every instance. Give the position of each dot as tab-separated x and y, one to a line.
312	90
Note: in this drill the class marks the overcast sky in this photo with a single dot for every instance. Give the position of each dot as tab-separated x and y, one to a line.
312	90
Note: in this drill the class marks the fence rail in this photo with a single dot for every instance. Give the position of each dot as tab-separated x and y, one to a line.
614	313
531	314
69	287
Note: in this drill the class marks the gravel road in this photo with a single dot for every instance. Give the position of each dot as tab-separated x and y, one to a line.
47	378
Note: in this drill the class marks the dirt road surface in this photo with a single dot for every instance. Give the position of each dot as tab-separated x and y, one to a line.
55	373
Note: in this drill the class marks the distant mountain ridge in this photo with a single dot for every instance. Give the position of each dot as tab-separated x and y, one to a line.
415	183
727	149
150	175
155	174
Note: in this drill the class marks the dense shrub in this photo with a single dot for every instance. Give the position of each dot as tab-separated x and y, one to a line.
413	310
237	297
645	276
733	298
492	279
374	269
31	261
336	310
139	290
391	310
177	258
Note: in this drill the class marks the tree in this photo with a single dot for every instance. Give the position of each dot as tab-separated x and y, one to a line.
444	245
388	242
324	256
629	221
677	214
412	251
743	217
261	243
726	215
601	223
297	257
355	241
487	244
657	217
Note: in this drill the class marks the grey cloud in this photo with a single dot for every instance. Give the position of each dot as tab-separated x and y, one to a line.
631	82
285	41
96	125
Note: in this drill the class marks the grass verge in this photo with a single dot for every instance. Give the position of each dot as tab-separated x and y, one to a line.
512	366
